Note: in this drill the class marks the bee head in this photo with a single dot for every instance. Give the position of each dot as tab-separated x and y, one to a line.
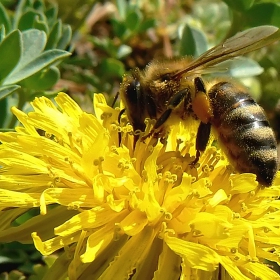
132	92
133	98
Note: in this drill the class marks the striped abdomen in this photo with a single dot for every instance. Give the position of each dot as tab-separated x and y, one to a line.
244	131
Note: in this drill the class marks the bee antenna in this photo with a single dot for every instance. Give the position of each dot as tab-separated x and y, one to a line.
119	120
120	114
115	99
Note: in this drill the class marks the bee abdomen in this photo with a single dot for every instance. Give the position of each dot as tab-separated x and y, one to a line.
244	131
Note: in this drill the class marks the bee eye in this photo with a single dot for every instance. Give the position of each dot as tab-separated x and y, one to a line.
133	92
166	77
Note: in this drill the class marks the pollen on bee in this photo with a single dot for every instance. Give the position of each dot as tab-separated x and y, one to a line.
202	107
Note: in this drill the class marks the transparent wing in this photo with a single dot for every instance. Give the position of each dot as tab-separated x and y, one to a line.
240	44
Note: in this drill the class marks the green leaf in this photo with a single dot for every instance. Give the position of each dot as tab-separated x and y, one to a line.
2	33
42	80
38	5
6	90
104	44
54	36
4	111
133	20
10	53
34	42
264	13
51	15
240	67
193	42
4	18
119	28
65	39
146	24
41	25
6	115
187	43
100	43
28	19
112	67
239	5
40	62
122	8
19	11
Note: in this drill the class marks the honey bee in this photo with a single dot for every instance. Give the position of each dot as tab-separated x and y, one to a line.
173	90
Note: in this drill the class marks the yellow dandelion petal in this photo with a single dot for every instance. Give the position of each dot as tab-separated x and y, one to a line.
23	118
99	103
209	225
116	204
97	242
14	160
133	223
179	194
68	106
232	269
262	270
93	218
219	197
243	183
54	244
131	256
196	255
150	204
18	199
168	265
73	269
44	225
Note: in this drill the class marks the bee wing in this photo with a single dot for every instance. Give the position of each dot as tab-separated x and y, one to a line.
240	44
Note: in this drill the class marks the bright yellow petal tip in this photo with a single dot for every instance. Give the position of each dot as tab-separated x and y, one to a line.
119	210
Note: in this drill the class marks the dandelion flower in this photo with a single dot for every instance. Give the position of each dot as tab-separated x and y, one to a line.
114	211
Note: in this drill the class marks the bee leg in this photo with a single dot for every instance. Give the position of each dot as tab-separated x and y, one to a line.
201	103
160	121
119	120
172	104
203	110
115	99
202	138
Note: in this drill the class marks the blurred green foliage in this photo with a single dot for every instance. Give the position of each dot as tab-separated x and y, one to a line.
111	37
